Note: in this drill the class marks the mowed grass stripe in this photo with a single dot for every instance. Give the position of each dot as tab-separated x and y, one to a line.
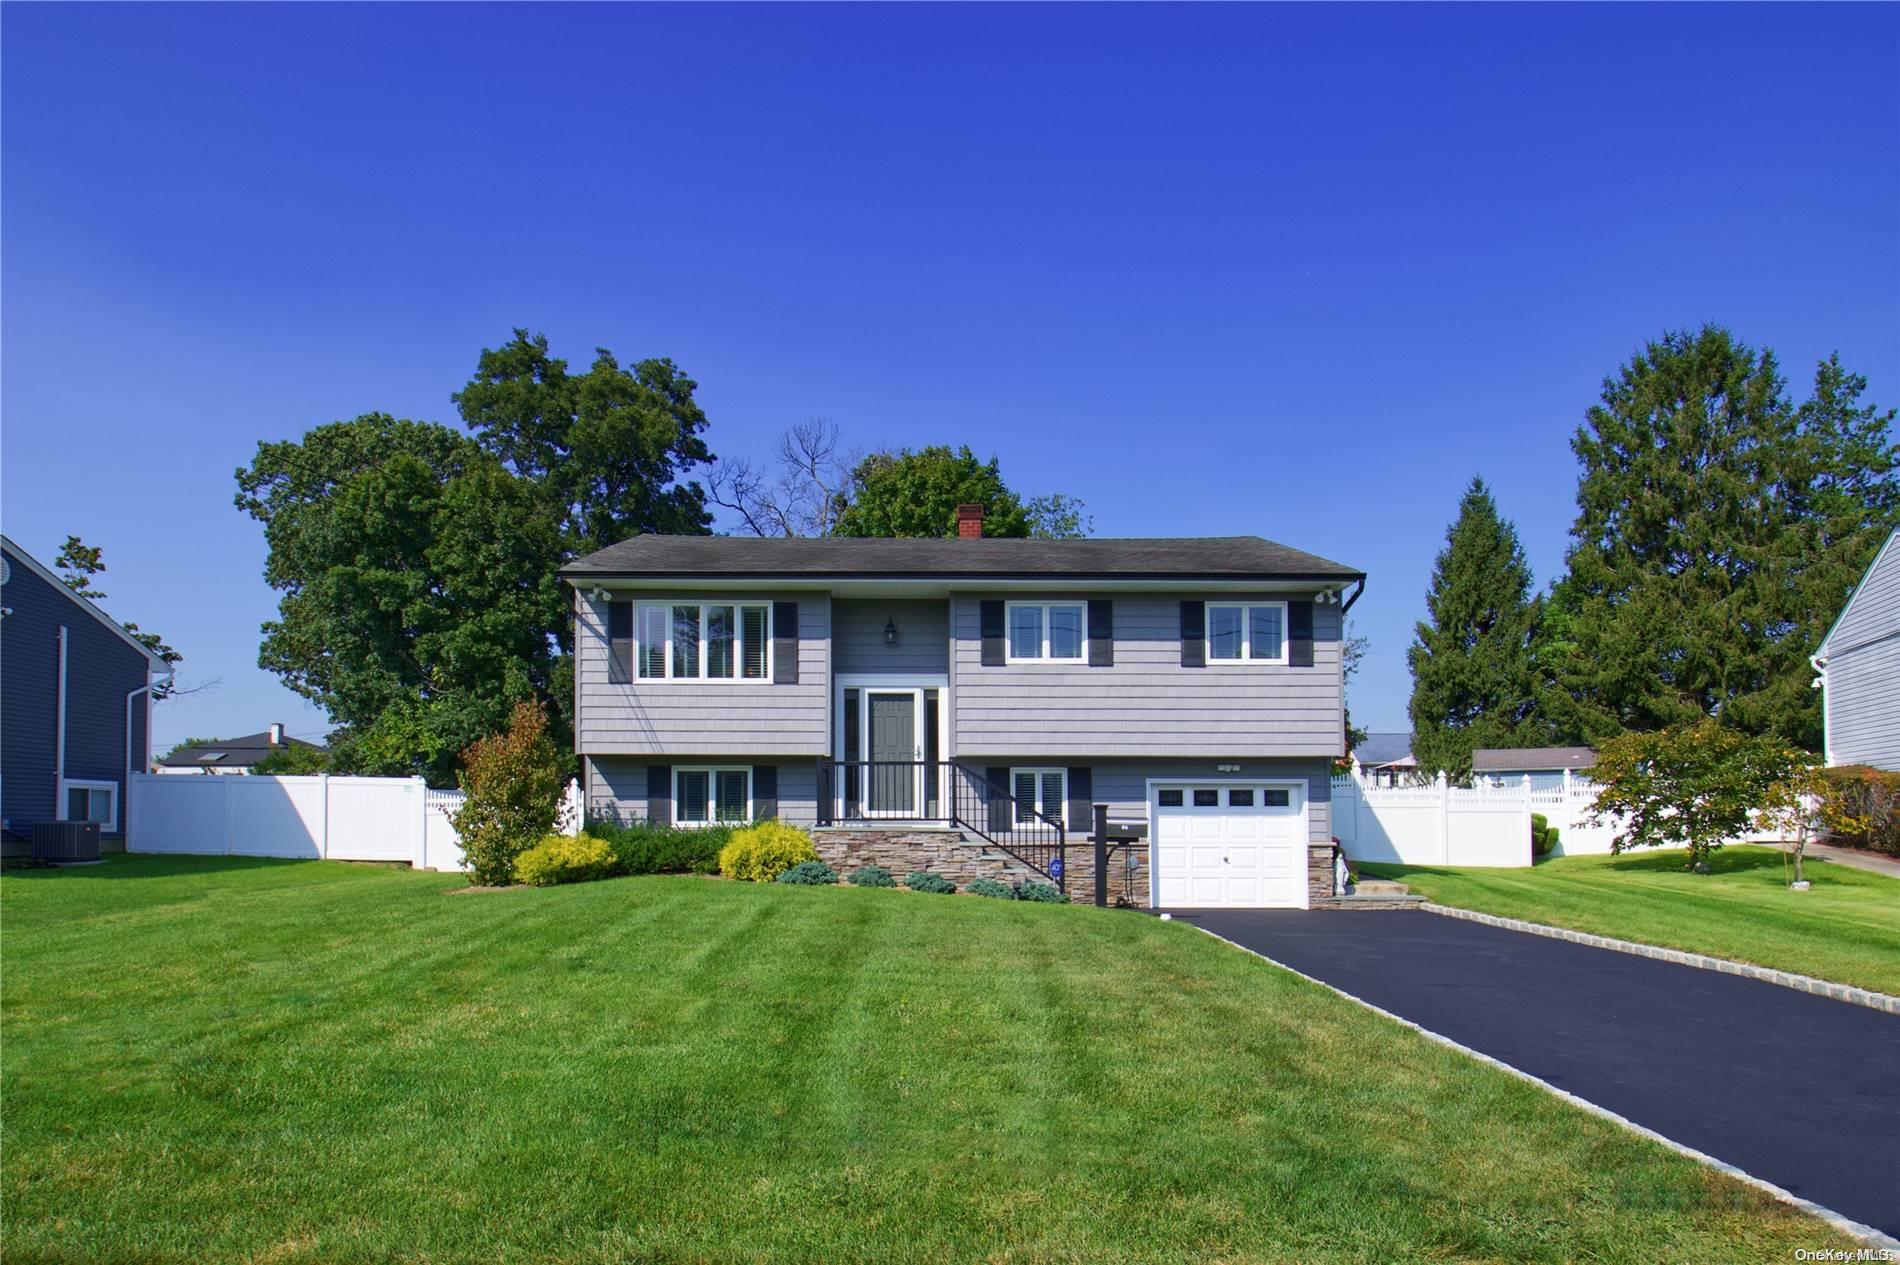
203	1060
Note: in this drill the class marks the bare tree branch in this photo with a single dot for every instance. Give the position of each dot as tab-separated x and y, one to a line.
805	497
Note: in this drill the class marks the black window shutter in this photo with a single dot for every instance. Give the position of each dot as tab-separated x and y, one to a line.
660	794
764	792
1081	801
785	643
1101	634
1299	634
992	630
1194	634
1001	797
619	641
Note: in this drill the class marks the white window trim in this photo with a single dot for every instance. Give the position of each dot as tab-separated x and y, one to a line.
110	826
1040	770
738	644
1009	642
712	772
1246	635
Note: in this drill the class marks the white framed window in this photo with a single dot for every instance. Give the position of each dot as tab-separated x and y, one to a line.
1046	791
703	641
1047	631
1246	632
712	795
85	800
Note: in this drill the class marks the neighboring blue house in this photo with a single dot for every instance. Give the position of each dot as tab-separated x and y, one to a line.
1859	666
75	699
961	705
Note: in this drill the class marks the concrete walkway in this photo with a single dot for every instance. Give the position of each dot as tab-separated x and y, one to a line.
1791	1088
1855	858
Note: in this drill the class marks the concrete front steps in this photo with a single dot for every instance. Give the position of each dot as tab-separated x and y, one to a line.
1373	893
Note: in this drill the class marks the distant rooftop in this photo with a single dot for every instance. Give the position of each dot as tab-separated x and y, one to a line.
230	753
1531	759
1382	749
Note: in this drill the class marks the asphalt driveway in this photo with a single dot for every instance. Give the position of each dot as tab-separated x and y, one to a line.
1794	1089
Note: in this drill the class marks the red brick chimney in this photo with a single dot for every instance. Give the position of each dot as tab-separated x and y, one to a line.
969	522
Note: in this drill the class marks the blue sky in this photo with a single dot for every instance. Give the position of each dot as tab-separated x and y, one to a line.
1291	271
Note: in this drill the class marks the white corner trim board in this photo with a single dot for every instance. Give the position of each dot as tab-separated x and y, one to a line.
1845	1225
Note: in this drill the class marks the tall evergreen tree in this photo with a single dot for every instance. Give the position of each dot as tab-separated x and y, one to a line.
1472	678
1718	530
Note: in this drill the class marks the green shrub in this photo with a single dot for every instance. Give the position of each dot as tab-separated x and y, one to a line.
872	876
652	849
560	859
924	881
1042	893
512	783
1543	835
990	887
761	853
1860	807
810	874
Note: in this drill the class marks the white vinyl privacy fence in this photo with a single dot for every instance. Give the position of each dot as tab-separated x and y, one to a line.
1485	825
314	818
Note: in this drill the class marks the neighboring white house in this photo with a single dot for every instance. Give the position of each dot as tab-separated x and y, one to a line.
229	755
1386	759
1859	666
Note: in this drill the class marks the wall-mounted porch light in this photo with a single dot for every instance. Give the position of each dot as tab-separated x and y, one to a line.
890	632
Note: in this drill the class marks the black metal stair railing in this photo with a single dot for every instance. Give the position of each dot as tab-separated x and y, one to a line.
898	791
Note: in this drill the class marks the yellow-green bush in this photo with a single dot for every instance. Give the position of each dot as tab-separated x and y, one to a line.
560	859
763	852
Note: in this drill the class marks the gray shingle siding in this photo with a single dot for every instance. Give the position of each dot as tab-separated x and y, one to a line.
1147	703
703	717
858	635
1862	696
100	670
1863	706
1123	784
620	782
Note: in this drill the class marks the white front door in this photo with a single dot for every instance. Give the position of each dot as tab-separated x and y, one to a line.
1229	844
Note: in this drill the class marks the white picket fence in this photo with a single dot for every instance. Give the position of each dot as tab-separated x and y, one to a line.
1487	825
318	817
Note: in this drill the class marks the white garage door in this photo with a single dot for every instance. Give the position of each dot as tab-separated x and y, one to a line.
1229	844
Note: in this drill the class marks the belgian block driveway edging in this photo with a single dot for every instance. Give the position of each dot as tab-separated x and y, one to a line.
1768	975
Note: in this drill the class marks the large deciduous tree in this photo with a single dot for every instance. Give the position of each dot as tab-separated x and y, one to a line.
1472	679
604	450
1719	528
419	592
418	564
915	492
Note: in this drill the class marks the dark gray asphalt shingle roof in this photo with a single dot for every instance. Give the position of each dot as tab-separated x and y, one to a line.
1236	556
1537	759
1383	748
238	752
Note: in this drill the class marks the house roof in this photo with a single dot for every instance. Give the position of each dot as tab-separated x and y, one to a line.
230	753
1228	557
84	603
1382	749
1821	652
1531	759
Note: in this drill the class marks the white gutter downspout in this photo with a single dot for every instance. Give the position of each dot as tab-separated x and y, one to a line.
125	805
1819	662
59	735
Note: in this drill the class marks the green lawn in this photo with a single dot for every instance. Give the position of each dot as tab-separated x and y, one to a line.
210	1059
1846	928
